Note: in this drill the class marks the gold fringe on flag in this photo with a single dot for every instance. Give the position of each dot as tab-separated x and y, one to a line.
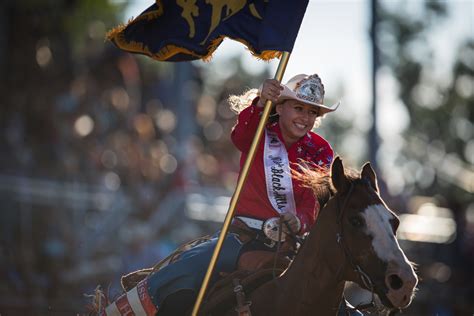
116	36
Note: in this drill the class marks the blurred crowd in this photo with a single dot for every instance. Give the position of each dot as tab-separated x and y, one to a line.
84	188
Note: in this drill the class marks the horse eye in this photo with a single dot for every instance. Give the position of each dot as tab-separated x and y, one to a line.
357	221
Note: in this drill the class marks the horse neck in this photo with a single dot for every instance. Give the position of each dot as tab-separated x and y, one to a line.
312	282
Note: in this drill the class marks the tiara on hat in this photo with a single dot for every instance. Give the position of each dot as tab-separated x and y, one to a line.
310	89
307	89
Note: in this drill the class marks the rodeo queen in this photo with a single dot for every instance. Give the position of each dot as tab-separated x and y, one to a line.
269	195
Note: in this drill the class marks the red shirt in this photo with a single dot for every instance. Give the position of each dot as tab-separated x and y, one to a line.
253	200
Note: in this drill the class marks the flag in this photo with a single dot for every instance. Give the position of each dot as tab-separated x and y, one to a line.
183	30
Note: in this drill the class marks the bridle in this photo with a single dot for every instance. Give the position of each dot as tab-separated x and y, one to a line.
364	277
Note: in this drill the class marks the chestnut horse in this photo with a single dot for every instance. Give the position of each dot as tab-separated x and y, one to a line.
353	239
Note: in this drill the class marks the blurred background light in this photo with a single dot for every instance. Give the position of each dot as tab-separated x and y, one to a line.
439	271
166	120
206	110
204	208
207	164
84	125
144	126
119	99
43	56
431	224
109	159
213	131
97	29
112	181
168	163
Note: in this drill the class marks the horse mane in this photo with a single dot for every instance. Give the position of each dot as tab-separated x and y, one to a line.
319	180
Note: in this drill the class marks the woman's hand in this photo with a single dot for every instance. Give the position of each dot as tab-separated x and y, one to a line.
292	221
271	90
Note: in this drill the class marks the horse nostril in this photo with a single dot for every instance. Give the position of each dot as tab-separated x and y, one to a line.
395	282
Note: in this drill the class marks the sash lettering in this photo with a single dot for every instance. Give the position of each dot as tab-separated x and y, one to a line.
278	175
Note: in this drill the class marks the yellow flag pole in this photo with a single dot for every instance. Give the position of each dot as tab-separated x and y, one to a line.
243	176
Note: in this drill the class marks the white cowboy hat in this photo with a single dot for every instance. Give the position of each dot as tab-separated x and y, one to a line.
307	89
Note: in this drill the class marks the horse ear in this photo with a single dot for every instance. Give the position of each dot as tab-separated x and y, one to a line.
338	177
369	174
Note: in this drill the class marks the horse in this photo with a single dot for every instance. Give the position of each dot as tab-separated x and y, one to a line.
353	239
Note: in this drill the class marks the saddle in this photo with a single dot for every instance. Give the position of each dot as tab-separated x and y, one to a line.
253	260
254	268
249	262
223	294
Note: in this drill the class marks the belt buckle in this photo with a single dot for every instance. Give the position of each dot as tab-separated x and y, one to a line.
271	229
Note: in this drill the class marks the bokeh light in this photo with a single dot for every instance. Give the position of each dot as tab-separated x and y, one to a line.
84	125
165	120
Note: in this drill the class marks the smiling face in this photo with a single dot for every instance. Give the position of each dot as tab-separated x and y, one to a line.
295	119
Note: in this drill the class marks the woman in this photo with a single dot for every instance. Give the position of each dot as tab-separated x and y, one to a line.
269	190
270	197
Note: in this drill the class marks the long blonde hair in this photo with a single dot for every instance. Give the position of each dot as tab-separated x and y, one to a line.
240	102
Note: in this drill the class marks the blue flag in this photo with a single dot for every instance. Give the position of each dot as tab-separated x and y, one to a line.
183	30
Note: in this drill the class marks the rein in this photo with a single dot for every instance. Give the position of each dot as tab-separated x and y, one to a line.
275	258
296	240
364	277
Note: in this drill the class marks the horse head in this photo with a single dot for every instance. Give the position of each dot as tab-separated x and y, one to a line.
366	234
355	233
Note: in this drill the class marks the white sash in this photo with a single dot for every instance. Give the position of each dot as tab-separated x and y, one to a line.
278	174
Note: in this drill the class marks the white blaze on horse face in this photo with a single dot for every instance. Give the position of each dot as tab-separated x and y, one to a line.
377	218
400	278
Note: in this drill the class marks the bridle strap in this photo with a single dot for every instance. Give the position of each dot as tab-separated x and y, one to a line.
277	253
341	210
